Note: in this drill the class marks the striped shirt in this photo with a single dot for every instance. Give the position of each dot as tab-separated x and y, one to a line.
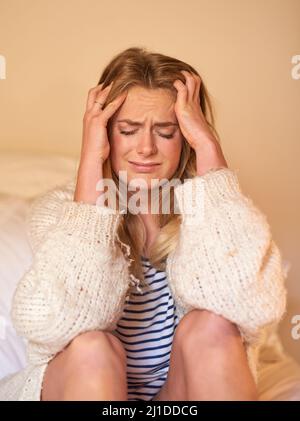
146	330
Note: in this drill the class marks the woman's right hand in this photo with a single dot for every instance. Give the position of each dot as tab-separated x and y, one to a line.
95	147
95	144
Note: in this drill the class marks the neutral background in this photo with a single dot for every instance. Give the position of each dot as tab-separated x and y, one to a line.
55	51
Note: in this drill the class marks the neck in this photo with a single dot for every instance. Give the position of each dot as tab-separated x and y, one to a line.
152	230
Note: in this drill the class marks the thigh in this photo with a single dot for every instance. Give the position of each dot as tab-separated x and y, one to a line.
55	373
174	388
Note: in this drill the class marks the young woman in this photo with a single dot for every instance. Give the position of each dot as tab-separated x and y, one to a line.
209	279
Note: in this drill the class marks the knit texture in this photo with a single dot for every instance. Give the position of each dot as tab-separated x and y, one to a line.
78	279
225	261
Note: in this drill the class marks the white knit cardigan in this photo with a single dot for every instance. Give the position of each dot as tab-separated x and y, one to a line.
225	261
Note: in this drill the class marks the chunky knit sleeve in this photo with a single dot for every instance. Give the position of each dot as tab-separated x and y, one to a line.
78	278
225	260
45	210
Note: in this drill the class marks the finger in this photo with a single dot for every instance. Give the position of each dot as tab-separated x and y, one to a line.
100	95
103	94
190	83
182	92
196	96
112	107
91	95
94	93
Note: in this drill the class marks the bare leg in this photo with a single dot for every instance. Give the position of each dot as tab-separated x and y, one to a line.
175	386
208	361
91	367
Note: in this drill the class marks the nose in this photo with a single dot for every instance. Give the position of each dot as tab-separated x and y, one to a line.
146	145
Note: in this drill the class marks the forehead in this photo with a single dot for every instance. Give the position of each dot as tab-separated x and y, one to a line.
141	103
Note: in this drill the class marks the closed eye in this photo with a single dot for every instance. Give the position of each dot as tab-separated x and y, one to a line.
167	136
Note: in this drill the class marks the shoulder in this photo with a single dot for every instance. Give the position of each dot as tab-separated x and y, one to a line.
45	209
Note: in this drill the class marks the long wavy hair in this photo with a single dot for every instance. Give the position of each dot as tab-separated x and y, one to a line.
136	66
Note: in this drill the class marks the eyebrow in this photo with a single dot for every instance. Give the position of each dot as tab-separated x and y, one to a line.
139	124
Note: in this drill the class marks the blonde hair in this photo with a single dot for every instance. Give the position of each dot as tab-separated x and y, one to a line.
136	66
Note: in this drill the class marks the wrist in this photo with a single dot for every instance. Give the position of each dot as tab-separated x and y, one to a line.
88	176
90	164
209	156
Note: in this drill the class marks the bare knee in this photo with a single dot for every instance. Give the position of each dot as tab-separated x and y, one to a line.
83	362
213	343
206	328
96	349
84	358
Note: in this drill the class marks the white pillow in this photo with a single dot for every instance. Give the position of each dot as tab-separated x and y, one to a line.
15	259
27	175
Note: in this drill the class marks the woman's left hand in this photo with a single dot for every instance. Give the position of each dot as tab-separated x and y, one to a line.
193	124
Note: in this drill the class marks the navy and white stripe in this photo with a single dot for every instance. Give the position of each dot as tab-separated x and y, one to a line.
146	330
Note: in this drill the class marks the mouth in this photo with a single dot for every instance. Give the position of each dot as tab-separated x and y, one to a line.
146	164
142	166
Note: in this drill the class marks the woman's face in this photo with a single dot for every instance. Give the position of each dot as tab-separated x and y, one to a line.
155	138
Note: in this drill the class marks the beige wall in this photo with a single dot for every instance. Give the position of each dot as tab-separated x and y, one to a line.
243	49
